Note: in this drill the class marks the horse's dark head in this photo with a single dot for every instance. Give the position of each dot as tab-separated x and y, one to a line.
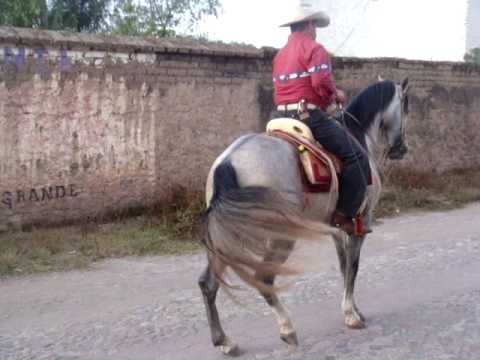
394	122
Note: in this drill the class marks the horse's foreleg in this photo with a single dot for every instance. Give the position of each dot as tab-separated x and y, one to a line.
339	241
353	318
209	285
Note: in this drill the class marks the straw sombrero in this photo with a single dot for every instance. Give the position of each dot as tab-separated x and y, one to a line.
306	13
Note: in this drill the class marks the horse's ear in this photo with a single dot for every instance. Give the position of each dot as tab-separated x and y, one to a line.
405	85
380	78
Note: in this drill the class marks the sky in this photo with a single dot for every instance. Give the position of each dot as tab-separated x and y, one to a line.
411	29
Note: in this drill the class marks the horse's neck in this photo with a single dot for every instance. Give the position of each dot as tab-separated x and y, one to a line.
372	135
365	113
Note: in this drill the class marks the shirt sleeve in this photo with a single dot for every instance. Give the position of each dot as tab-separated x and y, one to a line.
320	67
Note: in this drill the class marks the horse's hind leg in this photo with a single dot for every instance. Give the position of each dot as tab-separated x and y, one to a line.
348	250
209	285
287	331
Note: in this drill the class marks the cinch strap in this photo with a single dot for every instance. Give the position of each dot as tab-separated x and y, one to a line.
302	74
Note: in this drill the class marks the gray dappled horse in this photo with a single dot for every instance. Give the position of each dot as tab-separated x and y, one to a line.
257	208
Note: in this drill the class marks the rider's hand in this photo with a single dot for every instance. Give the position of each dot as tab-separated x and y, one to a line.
341	98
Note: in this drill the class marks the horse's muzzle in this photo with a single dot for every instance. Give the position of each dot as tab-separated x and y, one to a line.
398	151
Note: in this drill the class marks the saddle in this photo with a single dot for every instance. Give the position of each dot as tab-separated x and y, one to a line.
317	165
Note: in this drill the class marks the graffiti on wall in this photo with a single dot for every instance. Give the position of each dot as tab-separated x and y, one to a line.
18	57
10	199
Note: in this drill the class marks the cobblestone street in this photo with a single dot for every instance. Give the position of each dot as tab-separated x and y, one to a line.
418	285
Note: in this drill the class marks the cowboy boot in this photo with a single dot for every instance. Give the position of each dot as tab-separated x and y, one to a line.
352	226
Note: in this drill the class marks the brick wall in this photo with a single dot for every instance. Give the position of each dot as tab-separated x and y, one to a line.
91	124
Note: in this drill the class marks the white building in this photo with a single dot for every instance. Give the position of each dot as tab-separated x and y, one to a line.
473	24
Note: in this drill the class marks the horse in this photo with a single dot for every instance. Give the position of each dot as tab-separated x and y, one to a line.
256	208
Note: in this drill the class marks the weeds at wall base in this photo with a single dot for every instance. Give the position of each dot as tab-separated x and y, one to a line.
173	229
165	230
405	191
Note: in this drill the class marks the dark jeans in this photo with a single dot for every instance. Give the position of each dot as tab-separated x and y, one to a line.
336	139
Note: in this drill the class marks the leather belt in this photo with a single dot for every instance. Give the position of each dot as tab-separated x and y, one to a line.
295	107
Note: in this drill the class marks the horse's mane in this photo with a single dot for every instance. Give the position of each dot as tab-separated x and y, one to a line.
364	107
367	104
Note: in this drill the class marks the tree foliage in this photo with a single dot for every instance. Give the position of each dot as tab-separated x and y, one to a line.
160	17
125	17
24	13
473	56
128	18
78	15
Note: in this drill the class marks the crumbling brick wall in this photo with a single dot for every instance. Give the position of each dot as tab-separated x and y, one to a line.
93	124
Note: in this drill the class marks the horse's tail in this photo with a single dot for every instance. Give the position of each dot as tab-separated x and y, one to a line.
240	224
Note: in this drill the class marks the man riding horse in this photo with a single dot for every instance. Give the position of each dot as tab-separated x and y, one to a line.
258	202
304	89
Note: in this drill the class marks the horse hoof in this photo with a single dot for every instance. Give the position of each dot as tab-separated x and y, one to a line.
360	315
291	339
354	323
229	348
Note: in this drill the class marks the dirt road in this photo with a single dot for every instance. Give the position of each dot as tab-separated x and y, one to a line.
419	287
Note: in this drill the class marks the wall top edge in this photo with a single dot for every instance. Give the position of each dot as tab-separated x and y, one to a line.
25	37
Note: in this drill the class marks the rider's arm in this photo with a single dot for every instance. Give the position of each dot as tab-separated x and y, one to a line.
321	77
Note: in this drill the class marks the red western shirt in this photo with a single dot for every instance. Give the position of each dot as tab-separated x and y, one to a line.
302	70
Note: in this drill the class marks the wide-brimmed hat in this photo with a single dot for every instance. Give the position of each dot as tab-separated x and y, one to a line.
306	13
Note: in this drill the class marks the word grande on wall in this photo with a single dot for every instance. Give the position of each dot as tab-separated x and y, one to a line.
37	195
